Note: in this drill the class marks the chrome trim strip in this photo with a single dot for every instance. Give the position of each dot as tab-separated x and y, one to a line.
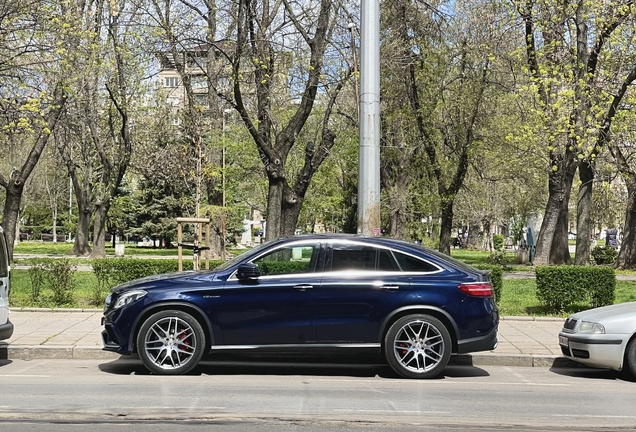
249	347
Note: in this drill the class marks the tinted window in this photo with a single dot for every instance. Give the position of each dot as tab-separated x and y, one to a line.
409	263
358	257
386	262
4	271
289	260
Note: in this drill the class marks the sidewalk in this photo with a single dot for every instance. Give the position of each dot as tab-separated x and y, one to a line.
76	334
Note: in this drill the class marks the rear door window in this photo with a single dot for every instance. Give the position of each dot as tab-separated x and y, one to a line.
361	257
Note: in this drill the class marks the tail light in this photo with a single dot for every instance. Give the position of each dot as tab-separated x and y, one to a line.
476	289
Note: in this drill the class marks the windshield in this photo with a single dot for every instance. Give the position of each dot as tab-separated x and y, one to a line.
240	257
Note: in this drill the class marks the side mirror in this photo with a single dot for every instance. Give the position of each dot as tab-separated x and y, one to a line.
248	272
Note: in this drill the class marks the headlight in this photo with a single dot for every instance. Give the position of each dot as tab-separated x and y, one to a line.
129	297
591	327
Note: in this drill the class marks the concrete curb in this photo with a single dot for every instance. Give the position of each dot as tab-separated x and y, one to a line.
59	352
62	352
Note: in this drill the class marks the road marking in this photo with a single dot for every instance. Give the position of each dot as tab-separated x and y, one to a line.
518	375
430	382
390	412
594	416
24	376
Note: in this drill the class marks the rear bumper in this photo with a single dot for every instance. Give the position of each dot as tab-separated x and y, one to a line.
6	330
487	342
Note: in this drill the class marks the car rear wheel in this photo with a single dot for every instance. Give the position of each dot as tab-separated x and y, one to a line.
630	358
418	346
170	342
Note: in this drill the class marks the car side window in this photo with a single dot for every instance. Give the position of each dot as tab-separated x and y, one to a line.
412	264
291	259
359	257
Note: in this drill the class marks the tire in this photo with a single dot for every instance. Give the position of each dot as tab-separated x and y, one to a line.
418	346
170	342
630	359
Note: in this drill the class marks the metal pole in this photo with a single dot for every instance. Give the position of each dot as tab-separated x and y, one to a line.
369	160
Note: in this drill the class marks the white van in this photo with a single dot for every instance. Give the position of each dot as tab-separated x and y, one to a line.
6	328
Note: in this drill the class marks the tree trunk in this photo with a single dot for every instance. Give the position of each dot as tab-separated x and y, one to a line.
446	227
274	208
397	212
99	230
80	246
583	210
560	249
290	213
627	253
472	241
11	212
559	187
487	236
54	214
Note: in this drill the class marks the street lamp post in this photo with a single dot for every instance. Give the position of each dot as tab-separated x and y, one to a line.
369	124
223	221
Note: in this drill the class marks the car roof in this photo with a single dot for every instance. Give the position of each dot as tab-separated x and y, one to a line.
340	236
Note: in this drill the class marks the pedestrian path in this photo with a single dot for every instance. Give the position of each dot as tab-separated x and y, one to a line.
76	334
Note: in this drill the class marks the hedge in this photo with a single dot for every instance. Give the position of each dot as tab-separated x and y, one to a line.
113	271
496	278
561	286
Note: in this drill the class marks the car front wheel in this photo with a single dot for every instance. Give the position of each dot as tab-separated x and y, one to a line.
418	346
630	358
170	342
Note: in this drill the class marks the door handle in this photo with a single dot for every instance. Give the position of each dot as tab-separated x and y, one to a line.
390	287
303	287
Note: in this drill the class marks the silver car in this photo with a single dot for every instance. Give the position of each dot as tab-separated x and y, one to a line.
6	327
603	337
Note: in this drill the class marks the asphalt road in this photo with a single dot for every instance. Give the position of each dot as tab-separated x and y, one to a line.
78	395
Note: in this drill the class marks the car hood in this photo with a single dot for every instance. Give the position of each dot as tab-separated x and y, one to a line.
618	318
166	280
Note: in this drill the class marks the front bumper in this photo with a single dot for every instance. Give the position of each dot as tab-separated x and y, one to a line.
605	351
119	326
6	330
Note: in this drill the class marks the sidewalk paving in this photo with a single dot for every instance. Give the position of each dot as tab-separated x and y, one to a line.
76	334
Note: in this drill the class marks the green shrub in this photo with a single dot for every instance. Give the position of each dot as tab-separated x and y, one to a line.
496	278
497	257
60	276
561	286
498	242
604	255
114	271
55	273
37	278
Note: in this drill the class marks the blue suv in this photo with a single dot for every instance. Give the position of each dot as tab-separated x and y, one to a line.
314	293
